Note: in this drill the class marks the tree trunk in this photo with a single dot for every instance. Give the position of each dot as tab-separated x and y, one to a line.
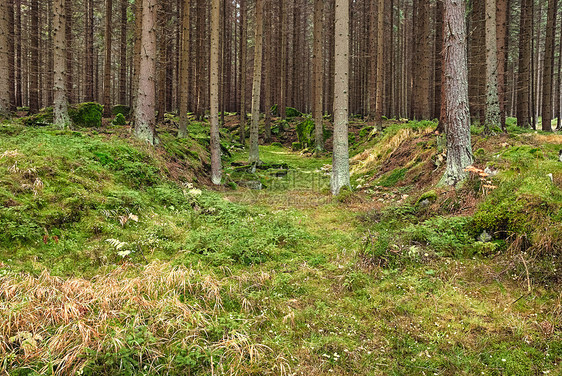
380	67
268	77
11	50
60	108
492	100
340	162
123	54
558	99
19	56
34	63
455	110
108	55
137	52
548	71
254	156
4	60
373	54
89	55
184	80
146	97
501	43
243	69
216	170
318	75
284	31
69	51
524	75
438	71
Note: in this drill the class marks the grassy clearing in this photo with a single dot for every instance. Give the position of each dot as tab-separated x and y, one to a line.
163	277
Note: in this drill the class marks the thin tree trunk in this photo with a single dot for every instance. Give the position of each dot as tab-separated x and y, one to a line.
254	156
284	31
34	64
438	60
501	43
318	75
184	80
69	51
146	97
340	163
455	110
89	55
137	52
492	100
548	71
243	69
19	56
524	74
11	51
216	169
380	68
123	54
4	60
108	55
268	79
60	108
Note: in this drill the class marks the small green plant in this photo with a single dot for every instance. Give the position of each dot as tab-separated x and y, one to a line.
119	120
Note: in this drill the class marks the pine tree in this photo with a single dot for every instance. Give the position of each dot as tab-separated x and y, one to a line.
60	108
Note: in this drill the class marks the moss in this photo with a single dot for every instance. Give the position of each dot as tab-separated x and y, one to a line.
87	114
42	118
121	109
365	131
119	120
277	144
431	196
296	146
393	177
305	132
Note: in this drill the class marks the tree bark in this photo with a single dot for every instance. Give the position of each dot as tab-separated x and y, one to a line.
216	170
501	43
268	76
123	54
318	75
89	90
34	63
340	163
243	70
69	51
524	74
254	156
455	110
11	53
284	31
145	109
184	66
108	55
19	56
548	71
380	67
492	100
4	60
60	108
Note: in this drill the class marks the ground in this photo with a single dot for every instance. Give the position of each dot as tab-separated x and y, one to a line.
162	275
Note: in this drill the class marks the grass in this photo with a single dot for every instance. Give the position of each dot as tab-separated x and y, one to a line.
157	275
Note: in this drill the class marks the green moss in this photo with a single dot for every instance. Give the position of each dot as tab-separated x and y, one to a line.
305	132
119	120
296	146
121	109
430	195
293	112
87	114
393	177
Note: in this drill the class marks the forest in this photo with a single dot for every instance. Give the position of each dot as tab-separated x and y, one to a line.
260	187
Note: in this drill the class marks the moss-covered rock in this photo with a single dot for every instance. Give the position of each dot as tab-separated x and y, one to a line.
305	132
119	120
42	118
296	146
87	114
121	109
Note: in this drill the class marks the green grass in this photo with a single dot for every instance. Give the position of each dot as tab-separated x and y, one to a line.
278	281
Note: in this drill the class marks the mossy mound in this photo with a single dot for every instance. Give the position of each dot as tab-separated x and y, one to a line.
121	109
87	114
119	120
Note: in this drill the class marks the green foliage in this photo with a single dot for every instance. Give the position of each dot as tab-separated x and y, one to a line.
297	146
393	177
293	112
305	132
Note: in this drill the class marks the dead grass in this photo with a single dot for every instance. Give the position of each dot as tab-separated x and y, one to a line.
55	323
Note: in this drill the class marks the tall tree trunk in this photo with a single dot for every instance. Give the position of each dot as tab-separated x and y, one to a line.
318	75
50	77
254	156
558	101
69	51
477	60
548	71
216	169
4	59
501	43
184	66
421	106
455	110
145	109
492	100
108	55
60	108
123	54
19	56
340	163
34	64
137	52
243	70
268	77
438	60
11	53
89	89
380	68
284	31
373	55
524	74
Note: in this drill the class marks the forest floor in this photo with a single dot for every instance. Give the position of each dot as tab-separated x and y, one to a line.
114	262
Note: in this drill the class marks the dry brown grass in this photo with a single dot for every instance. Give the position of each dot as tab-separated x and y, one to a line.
54	322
